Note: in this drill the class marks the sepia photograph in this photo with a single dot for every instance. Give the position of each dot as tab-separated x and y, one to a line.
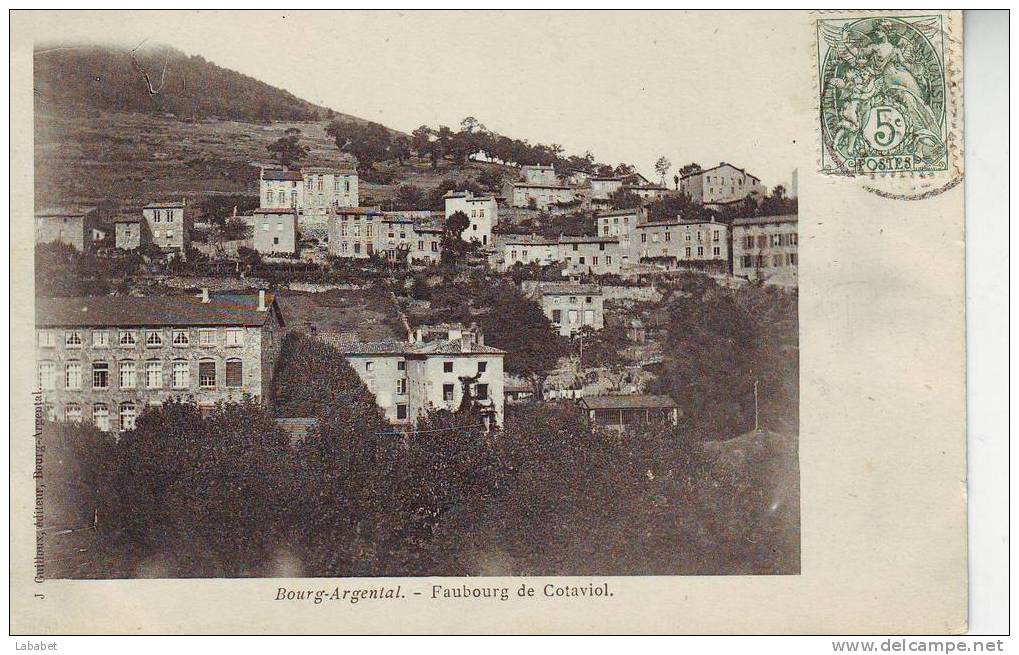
306	336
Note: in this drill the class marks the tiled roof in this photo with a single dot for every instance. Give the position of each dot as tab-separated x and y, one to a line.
764	220
724	163
566	288
317	170
679	221
588	239
371	211
278	175
529	185
52	212
164	205
528	240
393	347
635	401
145	311
618	212
455	347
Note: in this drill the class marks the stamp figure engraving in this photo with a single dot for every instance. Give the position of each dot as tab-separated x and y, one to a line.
882	95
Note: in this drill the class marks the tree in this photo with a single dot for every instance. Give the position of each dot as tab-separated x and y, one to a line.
625	199
234	229
211	495
288	149
662	167
490	179
421	139
409	197
689	169
368	142
517	324
675	180
453	245
400	148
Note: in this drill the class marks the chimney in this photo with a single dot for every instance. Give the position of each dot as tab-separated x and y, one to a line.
205	295
261	300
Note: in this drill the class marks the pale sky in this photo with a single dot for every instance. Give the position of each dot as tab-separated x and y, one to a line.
629	86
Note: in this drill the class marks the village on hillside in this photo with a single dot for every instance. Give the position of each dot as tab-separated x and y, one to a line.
560	285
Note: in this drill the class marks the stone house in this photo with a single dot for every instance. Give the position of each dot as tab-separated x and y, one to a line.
721	185
104	359
766	248
74	226
571	306
684	241
482	212
409	378
274	231
167	223
542	196
131	232
596	255
528	249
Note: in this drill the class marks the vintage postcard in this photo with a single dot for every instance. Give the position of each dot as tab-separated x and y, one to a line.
485	321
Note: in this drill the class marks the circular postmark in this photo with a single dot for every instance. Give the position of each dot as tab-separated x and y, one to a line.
885	110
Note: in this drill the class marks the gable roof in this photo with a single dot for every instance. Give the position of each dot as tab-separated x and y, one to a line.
528	240
720	165
60	212
588	239
280	175
155	311
164	205
635	401
567	288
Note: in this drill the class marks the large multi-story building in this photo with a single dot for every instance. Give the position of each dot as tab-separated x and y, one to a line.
353	232
307	190
167	224
596	255
325	187
721	185
766	248
603	186
621	223
412	377
542	196
75	226
274	231
571	306
685	241
481	211
528	249
103	359
359	232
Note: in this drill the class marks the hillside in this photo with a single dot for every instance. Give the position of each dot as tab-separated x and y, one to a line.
101	137
157	80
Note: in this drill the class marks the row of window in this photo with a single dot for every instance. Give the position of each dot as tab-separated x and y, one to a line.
715	236
401	365
574	316
594	260
130	338
764	261
99	414
157	215
573	300
774	240
132	376
314	182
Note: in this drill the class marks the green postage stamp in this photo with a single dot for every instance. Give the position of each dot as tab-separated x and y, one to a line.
883	95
